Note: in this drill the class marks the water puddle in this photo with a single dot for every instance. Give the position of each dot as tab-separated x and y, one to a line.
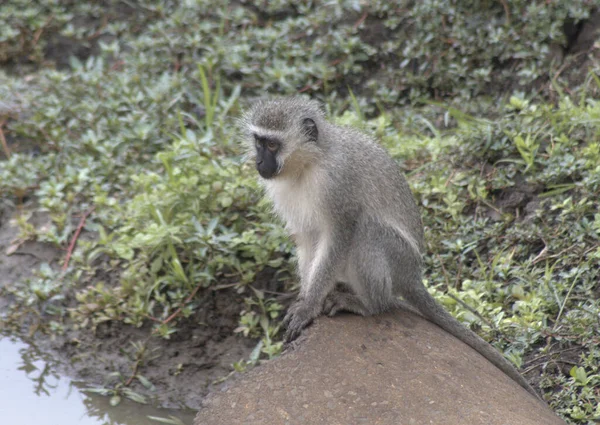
31	392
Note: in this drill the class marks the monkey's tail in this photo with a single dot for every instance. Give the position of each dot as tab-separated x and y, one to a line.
434	312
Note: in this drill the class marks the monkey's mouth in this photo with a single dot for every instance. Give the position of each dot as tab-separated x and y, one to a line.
268	169
267	173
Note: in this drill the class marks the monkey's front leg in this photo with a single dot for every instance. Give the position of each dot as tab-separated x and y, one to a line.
316	283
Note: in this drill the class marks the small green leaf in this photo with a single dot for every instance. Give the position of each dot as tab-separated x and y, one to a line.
581	376
132	395
145	382
115	400
255	354
226	201
170	420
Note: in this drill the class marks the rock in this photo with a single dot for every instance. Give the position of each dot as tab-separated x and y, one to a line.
392	369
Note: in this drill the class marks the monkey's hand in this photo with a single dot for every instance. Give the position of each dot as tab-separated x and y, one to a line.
299	316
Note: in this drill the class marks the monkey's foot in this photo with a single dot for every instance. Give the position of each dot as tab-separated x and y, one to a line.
298	317
338	301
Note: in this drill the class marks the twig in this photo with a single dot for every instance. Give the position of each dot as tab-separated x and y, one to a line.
506	11
75	236
548	355
38	33
491	206
591	249
172	316
461	302
281	294
118	64
187	300
54	145
472	310
134	373
566	64
450	178
444	271
360	21
154	319
567	362
477	204
224	286
542	253
531	368
3	140
458	285
99	30
562	307
562	252
310	86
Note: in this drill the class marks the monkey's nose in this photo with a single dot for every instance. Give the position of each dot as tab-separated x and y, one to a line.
259	162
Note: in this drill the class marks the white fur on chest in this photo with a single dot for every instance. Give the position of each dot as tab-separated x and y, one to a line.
298	202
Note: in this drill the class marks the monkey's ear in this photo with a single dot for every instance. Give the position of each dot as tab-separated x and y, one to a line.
310	129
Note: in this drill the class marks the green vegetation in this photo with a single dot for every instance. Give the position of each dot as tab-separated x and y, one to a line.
128	108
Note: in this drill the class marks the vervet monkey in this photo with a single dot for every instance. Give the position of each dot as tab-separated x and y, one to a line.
355	222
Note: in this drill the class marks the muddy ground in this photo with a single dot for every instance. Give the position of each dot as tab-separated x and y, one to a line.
183	369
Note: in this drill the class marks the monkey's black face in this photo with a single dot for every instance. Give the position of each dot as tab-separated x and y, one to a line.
266	155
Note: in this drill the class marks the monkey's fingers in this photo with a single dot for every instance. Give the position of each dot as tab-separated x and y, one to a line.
286	321
296	321
297	305
295	329
291	335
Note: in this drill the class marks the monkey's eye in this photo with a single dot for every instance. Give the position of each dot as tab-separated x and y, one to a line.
272	146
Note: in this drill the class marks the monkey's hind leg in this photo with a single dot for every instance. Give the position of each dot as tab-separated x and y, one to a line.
341	298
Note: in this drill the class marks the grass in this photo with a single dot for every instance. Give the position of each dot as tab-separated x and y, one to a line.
137	121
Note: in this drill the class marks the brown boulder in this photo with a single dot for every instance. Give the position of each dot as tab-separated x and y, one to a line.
392	369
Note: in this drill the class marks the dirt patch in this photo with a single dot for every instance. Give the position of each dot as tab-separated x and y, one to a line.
579	55
582	36
27	257
521	200
556	360
183	369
